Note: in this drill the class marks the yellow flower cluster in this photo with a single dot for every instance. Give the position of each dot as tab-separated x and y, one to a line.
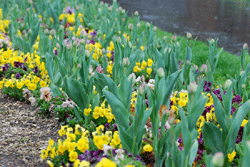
106	163
210	116
4	24
244	122
30	80
179	98
101	112
101	138
143	65
231	156
110	67
127	37
98	50
71	17
133	99
147	148
110	49
71	144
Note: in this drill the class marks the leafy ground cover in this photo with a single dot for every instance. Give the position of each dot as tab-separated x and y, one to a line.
124	94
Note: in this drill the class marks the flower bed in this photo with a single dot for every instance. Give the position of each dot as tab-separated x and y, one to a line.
123	98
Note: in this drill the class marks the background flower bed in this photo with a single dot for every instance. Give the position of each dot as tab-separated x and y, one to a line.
76	62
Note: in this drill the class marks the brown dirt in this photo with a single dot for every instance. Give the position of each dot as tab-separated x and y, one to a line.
23	134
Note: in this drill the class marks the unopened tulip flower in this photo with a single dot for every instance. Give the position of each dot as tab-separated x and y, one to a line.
161	72
189	35
203	69
174	37
192	88
218	159
130	26
228	83
126	62
245	46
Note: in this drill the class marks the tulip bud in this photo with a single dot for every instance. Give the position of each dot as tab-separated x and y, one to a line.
245	46
123	11
187	62
143	78
155	28
189	35
192	88
136	13
126	62
147	24
46	31
87	53
75	43
123	19
141	89
69	46
118	39
131	77
161	72
228	83
52	32
167	49
58	46
242	72
178	44
82	41
218	159
171	120
195	67
83	34
99	10
203	69
174	38
103	50
166	112
243	86
130	26
61	27
138	25
110	8
212	41
165	37
29	30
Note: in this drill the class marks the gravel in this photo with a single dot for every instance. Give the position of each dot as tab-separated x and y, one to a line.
23	133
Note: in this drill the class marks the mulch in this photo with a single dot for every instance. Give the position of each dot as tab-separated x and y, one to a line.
23	133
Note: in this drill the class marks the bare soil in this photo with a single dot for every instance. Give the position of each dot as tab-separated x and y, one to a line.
23	133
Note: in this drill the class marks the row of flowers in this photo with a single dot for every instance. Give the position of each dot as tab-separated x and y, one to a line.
90	136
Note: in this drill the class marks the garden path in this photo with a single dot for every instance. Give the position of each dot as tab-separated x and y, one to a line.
23	133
